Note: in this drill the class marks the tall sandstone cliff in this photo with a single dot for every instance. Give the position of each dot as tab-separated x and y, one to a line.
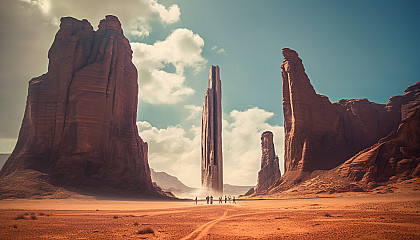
320	135
270	171
79	127
211	135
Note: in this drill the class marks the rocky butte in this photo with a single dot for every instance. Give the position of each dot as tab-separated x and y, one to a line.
211	135
320	135
79	128
270	171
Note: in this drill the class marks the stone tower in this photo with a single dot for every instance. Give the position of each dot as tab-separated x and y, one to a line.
270	171
211	136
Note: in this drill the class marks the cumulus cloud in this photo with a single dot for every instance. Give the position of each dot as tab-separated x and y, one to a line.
194	110
135	15
219	50
176	150
172	151
181	49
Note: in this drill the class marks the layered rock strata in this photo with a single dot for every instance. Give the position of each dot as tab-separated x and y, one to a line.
79	126
320	135
270	171
211	135
394	158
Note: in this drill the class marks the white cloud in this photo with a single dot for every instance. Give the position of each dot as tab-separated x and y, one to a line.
181	49
219	50
170	150
177	151
135	15
43	5
195	112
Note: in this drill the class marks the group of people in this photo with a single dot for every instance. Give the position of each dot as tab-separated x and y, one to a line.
209	199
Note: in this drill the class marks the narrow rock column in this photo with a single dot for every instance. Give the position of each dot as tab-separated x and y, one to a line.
270	171
211	136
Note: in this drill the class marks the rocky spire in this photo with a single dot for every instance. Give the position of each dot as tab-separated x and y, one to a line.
79	126
270	171
211	135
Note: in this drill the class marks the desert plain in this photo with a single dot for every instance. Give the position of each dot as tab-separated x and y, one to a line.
362	216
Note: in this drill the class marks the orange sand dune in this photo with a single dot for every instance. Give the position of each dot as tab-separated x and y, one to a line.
389	216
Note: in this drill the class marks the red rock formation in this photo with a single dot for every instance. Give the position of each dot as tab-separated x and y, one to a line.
211	135
80	119
250	192
392	164
320	135
395	157
270	171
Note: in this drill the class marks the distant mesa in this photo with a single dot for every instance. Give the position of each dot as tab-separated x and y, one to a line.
320	136
211	135
79	129
169	183
270	171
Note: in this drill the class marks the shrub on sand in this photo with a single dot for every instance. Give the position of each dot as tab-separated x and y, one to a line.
146	231
19	217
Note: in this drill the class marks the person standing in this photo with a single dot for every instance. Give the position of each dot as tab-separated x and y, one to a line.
207	199
211	199
196	200
225	199
234	201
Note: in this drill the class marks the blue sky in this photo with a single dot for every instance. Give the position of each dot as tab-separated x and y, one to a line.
350	49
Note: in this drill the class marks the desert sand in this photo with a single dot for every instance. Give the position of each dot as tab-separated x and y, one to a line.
382	216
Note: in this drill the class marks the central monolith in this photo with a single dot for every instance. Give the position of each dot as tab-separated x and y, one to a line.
211	136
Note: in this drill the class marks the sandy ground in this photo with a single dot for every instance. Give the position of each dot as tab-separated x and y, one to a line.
390	216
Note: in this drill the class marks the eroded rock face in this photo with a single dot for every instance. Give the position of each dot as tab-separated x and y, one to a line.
79	125
270	171
211	135
250	192
392	164
395	157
